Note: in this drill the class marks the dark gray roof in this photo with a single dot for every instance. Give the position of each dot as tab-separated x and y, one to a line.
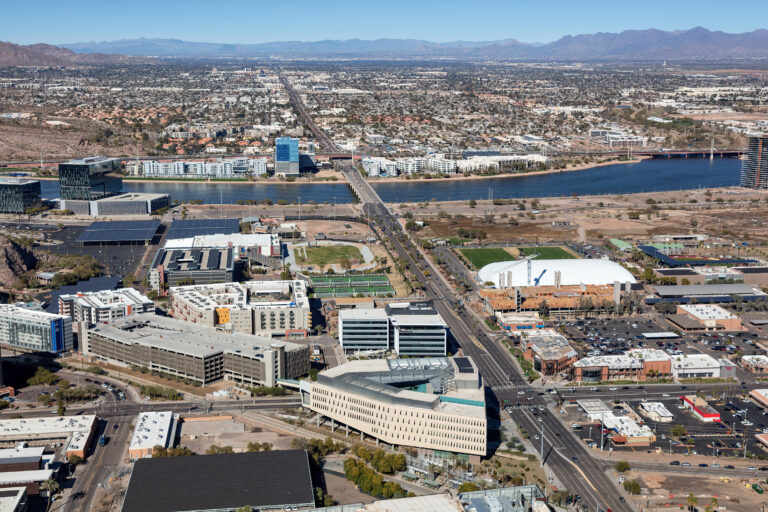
752	270
676	272
94	284
208	482
187	228
120	231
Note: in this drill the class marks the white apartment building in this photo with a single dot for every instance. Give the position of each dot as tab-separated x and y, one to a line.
494	162
221	168
267	308
377	166
103	306
443	414
265	244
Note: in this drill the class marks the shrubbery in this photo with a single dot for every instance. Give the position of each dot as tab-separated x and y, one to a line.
381	460
370	482
160	392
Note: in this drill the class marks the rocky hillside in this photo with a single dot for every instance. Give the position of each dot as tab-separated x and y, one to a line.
15	261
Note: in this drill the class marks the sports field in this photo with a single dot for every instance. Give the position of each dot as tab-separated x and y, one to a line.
483	256
324	255
547	253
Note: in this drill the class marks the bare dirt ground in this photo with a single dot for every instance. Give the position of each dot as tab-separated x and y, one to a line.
716	212
343	491
29	139
199	435
663	492
209	211
334	229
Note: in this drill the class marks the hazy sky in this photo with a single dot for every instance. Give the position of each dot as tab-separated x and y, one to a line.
255	21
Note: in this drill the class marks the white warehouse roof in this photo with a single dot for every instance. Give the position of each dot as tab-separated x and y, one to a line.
572	272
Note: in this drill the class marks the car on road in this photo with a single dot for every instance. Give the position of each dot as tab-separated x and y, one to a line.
674	463
613	389
575	459
729	467
715	465
702	465
665	395
686	464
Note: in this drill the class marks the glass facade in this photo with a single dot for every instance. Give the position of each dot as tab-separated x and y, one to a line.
18	195
86	182
286	149
30	330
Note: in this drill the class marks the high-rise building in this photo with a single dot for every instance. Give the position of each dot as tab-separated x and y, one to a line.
38	331
754	169
287	156
90	178
16	195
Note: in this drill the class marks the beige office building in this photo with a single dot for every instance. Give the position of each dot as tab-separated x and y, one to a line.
266	308
434	404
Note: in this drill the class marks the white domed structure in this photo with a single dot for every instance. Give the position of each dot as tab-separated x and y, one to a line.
509	274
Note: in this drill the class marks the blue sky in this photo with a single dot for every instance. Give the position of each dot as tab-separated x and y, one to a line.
255	21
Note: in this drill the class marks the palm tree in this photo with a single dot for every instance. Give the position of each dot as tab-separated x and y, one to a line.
692	501
53	487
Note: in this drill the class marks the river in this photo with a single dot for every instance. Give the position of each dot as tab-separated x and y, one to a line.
651	175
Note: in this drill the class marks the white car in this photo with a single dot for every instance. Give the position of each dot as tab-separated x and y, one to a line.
521	392
665	395
613	389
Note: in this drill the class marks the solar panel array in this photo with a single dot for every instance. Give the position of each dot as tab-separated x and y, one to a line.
465	366
195	227
120	231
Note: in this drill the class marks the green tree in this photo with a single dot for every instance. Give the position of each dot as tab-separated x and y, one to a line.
313	374
632	487
128	281
61	410
246	508
622	466
678	431
215	449
52	487
692	501
472	203
75	460
468	487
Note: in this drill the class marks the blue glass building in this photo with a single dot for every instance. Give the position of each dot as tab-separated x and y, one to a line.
287	156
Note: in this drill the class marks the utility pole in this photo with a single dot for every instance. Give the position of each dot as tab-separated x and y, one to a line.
602	437
541	456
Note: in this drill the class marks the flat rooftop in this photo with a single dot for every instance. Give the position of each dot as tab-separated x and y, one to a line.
91	160
109	298
152	428
77	428
16	181
704	290
132	196
190	259
186	338
190	228
707	311
266	480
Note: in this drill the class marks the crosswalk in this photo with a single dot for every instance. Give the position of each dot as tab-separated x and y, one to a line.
505	387
523	408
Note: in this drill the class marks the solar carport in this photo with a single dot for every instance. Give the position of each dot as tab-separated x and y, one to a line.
195	227
119	232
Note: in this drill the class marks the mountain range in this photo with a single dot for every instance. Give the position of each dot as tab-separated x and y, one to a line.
652	44
694	44
48	55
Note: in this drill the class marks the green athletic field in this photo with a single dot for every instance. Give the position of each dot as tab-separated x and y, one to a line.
483	256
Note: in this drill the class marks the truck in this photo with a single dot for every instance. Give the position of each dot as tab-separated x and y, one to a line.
102	440
757	488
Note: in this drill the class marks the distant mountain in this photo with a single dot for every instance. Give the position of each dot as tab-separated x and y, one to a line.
47	55
652	44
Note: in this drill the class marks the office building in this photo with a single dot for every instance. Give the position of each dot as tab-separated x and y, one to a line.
197	353
37	331
754	168
88	179
276	480
244	245
412	329
16	195
266	308
179	266
103	306
155	428
121	204
434	404
549	351
286	156
693	366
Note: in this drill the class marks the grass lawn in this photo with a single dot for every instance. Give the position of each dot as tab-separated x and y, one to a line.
482	257
547	253
324	255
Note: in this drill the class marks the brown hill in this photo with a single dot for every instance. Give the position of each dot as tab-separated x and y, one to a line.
15	261
47	55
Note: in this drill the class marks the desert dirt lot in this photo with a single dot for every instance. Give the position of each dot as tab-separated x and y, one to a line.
670	492
717	212
28	139
199	435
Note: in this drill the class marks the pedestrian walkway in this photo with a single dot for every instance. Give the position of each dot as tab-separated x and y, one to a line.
503	387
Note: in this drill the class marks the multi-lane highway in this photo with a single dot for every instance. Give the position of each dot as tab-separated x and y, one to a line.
565	455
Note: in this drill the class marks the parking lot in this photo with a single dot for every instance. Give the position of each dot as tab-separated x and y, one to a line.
716	439
118	260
